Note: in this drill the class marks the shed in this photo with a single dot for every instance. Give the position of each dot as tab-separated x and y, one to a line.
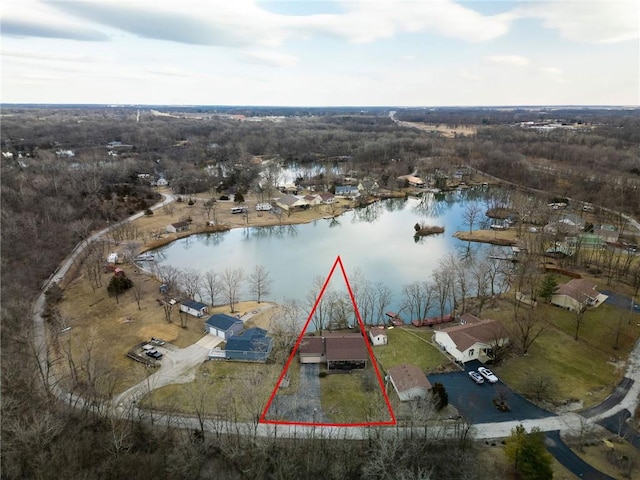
194	308
409	382
112	257
378	336
178	227
223	326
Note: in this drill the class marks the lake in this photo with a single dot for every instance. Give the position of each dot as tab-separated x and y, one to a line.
377	239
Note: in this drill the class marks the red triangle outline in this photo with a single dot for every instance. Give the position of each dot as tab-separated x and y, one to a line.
393	420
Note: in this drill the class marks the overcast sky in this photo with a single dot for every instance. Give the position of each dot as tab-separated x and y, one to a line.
319	53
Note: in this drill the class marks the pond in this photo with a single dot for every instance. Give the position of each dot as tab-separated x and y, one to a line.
377	239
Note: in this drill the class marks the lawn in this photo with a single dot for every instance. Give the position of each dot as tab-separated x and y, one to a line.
578	371
409	345
235	390
616	460
353	398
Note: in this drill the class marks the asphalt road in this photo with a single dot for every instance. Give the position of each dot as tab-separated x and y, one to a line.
618	424
622	301
611	401
475	402
570	460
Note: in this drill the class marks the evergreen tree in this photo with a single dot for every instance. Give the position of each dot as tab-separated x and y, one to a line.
440	396
548	286
528	453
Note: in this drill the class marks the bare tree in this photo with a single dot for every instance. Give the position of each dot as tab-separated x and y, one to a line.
320	316
190	282
259	282
527	328
136	289
213	285
383	299
418	299
232	285
93	264
285	328
471	213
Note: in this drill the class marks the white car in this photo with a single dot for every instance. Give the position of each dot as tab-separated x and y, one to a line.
476	377
487	374
263	207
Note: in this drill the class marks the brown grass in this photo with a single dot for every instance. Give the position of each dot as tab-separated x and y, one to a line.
495	237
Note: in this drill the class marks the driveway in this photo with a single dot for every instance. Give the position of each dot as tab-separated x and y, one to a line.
475	402
304	406
570	460
621	301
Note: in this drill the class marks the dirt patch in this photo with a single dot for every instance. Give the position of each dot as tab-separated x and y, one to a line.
495	237
168	331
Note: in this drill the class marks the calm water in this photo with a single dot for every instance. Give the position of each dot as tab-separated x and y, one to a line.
377	239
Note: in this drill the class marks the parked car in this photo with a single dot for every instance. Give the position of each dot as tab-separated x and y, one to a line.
239	210
487	374
154	354
147	347
476	377
157	341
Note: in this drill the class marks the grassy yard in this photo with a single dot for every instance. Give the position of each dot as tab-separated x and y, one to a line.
230	389
613	460
410	345
492	458
353	397
578	371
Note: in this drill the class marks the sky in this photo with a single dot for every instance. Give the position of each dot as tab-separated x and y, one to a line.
321	53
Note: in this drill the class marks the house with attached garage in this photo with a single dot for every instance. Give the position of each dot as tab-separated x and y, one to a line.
337	350
291	202
252	345
472	340
409	382
577	294
194	308
223	326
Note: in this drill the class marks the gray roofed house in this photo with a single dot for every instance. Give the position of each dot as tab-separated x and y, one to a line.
289	202
409	382
223	325
252	345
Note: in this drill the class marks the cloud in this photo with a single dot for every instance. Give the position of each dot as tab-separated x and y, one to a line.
49	56
269	58
31	18
512	60
594	21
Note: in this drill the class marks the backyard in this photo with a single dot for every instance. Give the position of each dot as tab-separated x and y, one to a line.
409	345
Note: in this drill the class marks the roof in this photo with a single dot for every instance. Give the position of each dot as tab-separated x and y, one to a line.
251	340
326	195
222	321
291	200
180	224
485	331
346	189
346	347
469	318
406	377
375	331
579	289
193	304
311	346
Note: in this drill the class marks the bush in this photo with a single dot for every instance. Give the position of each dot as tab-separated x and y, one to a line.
440	396
148	212
119	284
191	202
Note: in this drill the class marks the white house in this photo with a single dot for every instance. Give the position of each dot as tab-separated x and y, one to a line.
377	336
327	197
290	202
409	382
194	308
472	341
576	294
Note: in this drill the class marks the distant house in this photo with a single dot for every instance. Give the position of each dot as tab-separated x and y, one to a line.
413	181
327	197
312	200
409	382
178	227
291	202
472	341
378	336
223	326
576	294
160	182
339	351
368	187
347	191
252	345
194	308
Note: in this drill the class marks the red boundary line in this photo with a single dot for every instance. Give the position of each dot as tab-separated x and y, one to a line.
393	420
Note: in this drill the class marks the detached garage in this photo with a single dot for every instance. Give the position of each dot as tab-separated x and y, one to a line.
409	382
223	326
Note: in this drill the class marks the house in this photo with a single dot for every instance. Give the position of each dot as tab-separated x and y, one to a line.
347	191
413	181
178	227
377	336
576	294
194	308
368	187
311	350
312	200
252	345
327	198
160	182
223	326
409	382
339	351
291	202
472	341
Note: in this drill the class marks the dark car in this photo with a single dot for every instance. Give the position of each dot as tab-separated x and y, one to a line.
154	354
476	377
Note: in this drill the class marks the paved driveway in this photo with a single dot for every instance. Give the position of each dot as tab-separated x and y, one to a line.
475	402
621	301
